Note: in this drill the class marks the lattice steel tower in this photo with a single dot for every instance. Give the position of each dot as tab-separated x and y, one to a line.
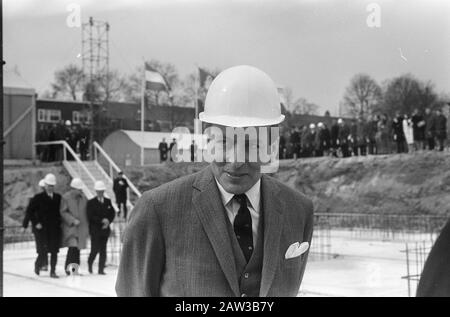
95	56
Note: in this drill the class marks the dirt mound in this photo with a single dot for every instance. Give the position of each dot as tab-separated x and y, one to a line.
384	184
407	184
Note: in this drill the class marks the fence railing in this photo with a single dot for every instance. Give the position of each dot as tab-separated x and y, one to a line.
81	168
387	226
112	167
415	255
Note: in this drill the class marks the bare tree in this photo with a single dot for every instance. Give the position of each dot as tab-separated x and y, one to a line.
405	93
303	106
361	96
68	82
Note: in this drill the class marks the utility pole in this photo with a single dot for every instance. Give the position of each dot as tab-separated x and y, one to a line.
95	64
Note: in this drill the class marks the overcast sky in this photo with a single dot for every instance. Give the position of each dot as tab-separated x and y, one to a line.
314	47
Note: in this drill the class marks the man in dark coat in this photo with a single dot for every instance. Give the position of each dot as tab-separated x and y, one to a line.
441	129
399	136
163	148
295	141
343	139
435	277
120	187
193	149
334	136
100	213
83	137
322	140
429	128
43	212
418	129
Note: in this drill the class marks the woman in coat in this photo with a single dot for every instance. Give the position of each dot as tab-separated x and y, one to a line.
74	224
408	132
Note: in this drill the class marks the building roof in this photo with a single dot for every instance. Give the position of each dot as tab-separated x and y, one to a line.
151	140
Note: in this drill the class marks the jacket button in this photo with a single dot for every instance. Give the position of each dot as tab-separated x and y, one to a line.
244	295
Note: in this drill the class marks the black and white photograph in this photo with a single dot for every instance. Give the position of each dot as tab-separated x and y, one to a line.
217	149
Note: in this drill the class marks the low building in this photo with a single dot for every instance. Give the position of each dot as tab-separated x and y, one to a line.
124	146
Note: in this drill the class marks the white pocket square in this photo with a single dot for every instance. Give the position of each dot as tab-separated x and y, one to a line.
296	249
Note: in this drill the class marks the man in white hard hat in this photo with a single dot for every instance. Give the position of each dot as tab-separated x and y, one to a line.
43	212
75	226
100	214
227	230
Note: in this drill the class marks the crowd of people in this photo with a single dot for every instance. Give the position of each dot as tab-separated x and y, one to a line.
77	136
68	221
377	134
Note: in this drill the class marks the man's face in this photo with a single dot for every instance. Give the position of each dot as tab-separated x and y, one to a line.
100	193
239	176
49	189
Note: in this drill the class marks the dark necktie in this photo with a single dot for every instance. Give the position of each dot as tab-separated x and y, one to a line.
243	227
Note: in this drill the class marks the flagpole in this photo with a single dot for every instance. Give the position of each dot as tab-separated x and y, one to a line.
196	128
142	114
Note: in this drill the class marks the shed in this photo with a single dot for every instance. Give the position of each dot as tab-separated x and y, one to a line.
125	145
19	122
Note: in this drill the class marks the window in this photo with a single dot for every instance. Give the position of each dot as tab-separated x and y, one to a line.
49	115
81	117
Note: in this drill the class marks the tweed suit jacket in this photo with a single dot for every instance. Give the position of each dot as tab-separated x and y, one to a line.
176	242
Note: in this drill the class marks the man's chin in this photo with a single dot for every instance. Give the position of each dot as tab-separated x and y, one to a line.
234	185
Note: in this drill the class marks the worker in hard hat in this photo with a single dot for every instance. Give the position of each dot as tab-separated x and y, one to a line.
228	230
27	218
100	214
43	212
75	226
344	138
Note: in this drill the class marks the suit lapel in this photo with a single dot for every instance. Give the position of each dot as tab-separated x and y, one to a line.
208	205
273	224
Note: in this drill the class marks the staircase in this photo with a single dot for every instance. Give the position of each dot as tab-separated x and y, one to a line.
97	173
91	171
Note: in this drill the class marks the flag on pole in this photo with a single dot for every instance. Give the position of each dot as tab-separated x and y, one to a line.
205	80
154	80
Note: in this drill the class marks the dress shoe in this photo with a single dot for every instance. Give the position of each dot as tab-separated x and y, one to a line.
36	269
101	273
53	275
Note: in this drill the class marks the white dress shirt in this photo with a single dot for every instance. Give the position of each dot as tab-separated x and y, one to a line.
253	203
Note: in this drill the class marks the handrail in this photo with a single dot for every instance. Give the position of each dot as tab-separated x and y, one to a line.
77	159
111	162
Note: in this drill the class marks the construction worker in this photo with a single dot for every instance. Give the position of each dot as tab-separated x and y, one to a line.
75	227
43	213
100	214
228	230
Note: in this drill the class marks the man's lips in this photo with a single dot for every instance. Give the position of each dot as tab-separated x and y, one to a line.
235	175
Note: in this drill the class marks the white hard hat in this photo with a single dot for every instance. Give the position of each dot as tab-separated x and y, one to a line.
76	183
99	185
340	120
320	125
41	183
242	96
50	179
312	126
68	123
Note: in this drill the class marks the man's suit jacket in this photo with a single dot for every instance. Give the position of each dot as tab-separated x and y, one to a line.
177	244
96	211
